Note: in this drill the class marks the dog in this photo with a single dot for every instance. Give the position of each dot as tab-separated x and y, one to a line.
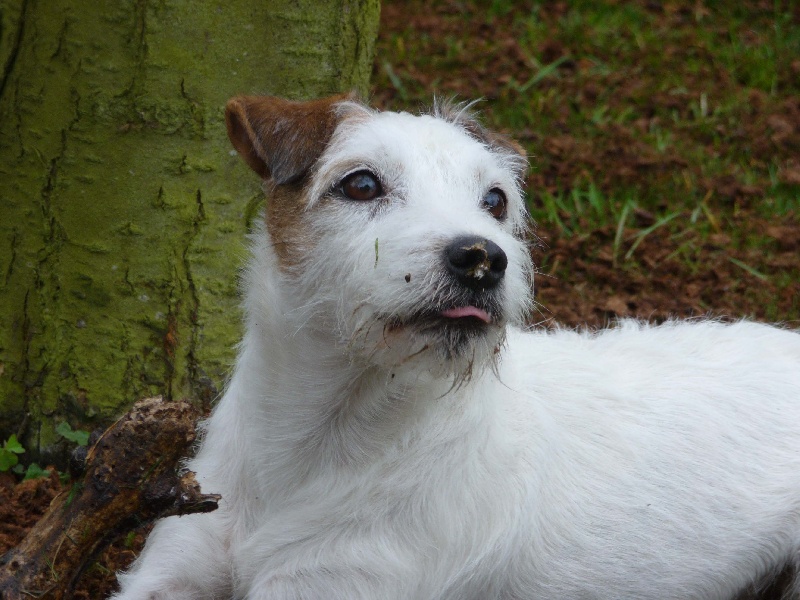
392	430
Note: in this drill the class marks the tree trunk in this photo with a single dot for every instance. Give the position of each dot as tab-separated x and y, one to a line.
122	210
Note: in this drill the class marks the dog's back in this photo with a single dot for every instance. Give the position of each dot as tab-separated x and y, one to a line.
672	466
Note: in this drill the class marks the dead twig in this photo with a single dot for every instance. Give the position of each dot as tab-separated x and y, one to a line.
131	478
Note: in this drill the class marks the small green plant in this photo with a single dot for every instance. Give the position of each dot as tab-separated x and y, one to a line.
12	448
34	471
9	460
9	453
78	436
129	539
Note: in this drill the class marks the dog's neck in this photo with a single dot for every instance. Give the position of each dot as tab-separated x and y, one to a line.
338	410
316	410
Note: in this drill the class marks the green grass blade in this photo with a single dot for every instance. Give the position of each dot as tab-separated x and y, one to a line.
749	269
541	74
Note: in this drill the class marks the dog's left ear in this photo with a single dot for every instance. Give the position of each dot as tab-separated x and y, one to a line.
281	139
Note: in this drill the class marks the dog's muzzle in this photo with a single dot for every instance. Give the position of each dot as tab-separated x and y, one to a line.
476	263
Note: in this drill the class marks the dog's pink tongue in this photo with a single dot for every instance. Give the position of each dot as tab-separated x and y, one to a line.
467	311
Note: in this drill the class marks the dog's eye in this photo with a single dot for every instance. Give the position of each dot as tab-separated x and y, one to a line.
362	186
495	202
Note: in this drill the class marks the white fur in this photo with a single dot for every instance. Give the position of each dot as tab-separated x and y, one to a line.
639	462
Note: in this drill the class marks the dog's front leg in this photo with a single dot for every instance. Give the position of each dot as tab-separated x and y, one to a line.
185	558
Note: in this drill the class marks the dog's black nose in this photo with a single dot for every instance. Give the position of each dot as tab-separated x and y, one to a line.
476	262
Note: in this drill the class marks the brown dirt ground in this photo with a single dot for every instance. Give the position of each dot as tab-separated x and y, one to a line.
661	283
21	506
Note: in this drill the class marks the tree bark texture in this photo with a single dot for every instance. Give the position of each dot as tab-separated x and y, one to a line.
130	480
123	211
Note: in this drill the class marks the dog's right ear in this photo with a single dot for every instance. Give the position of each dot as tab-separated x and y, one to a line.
281	139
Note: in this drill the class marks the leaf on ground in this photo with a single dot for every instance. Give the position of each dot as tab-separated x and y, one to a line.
77	436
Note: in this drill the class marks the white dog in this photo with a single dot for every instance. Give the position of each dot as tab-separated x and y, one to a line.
392	432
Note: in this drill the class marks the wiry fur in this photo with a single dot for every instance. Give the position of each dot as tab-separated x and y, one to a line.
366	450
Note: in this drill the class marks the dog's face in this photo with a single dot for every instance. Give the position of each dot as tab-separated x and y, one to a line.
401	234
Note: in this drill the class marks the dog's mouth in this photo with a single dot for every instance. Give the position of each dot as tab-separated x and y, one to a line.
452	333
444	331
467	319
467	312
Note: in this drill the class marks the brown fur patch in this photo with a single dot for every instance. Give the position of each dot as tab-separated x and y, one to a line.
281	140
285	219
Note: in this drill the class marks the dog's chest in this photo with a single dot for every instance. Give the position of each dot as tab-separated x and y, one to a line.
438	498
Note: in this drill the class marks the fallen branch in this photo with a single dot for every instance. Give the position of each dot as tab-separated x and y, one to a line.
131	478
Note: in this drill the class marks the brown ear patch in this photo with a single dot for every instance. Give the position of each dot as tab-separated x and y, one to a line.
281	139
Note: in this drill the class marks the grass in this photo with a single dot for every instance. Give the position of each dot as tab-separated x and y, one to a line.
625	110
616	44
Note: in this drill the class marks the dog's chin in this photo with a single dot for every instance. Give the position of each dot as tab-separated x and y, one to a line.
459	345
450	337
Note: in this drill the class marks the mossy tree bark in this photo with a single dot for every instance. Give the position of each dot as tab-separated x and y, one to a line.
122	211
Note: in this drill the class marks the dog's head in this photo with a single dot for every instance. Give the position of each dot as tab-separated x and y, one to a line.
402	235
